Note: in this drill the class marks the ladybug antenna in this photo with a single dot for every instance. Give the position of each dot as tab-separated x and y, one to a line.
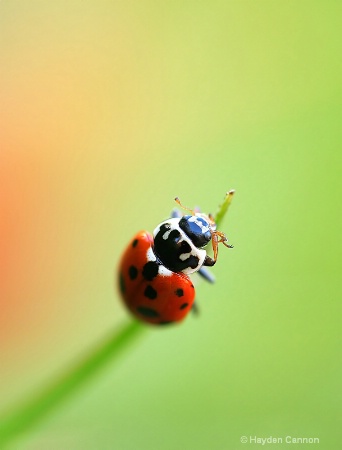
184	207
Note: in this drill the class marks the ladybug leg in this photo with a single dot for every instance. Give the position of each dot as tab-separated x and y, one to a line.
176	214
216	238
212	221
208	261
214	241
194	309
221	237
208	276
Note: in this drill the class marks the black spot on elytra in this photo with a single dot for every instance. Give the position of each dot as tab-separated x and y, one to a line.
150	292
122	284
179	292
147	312
184	305
150	270
135	243
133	272
193	287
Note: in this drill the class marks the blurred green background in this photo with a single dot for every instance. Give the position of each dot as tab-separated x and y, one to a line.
110	109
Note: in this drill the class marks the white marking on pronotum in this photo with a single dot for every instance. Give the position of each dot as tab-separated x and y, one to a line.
184	256
166	235
150	255
164	272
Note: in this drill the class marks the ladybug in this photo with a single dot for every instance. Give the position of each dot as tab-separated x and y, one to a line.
154	270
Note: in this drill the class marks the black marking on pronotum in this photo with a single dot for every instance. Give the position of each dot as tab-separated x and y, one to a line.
179	292
174	252
150	270
150	292
133	272
185	246
184	305
147	312
122	284
135	243
192	262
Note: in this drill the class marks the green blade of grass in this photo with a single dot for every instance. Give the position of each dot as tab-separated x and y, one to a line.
224	207
28	414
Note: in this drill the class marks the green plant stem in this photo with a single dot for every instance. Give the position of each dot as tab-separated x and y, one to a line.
29	413
223	208
38	407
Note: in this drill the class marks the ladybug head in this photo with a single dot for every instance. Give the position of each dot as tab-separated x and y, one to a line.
197	228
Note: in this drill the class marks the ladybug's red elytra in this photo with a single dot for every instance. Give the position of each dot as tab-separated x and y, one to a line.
154	270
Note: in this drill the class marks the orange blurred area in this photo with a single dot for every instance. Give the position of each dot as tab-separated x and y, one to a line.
108	111
55	183
31	247
74	130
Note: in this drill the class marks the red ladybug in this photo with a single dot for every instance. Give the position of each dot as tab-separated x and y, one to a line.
154	270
